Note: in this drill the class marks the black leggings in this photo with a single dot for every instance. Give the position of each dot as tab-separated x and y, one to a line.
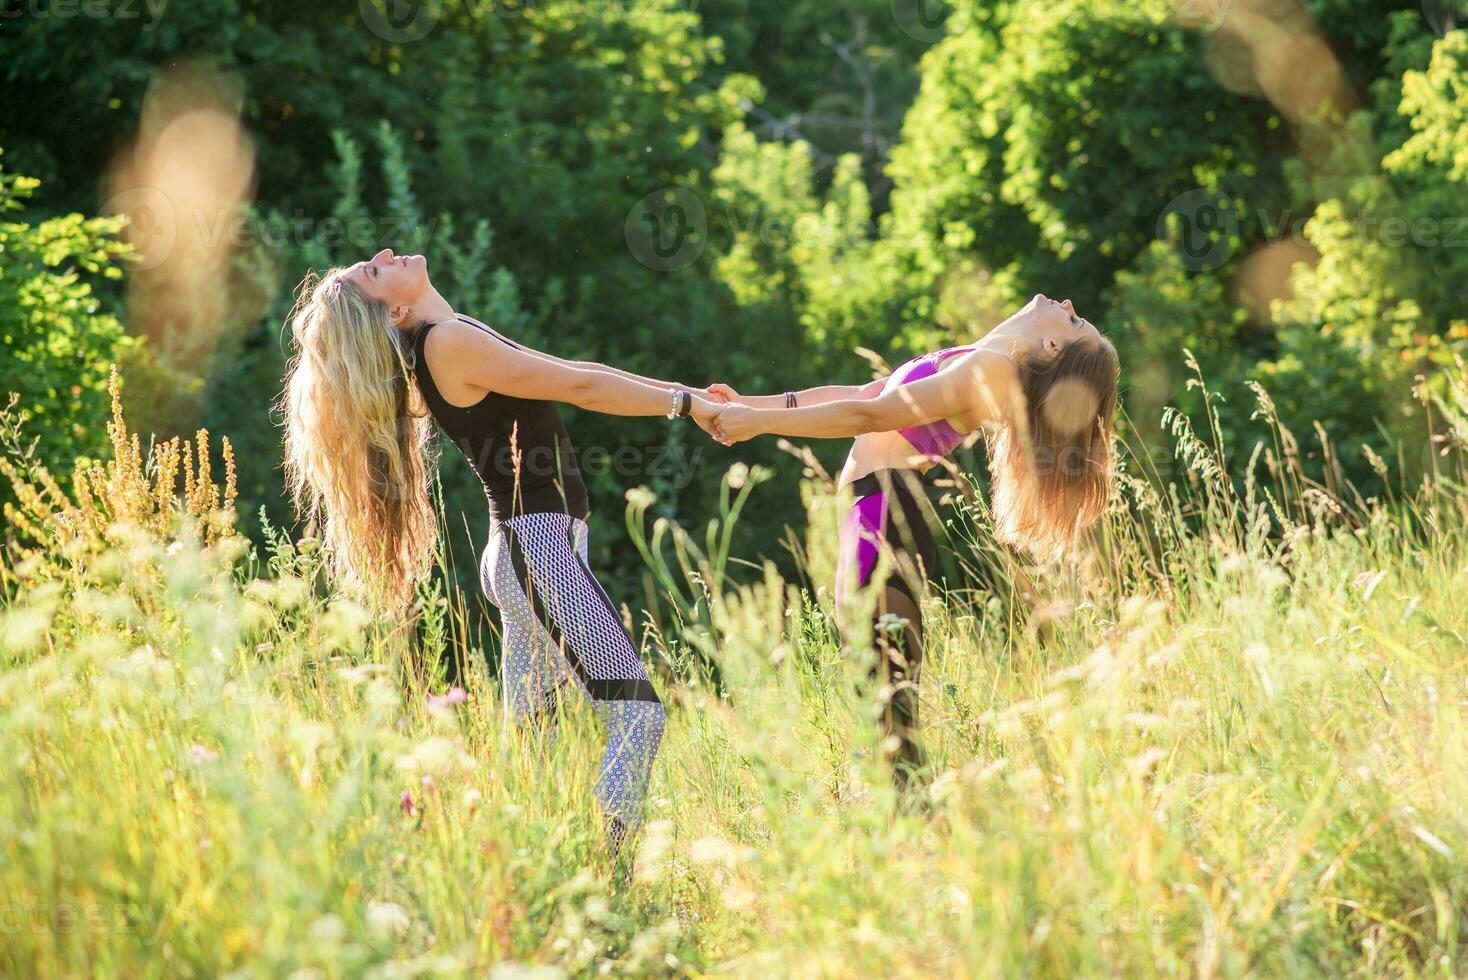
892	515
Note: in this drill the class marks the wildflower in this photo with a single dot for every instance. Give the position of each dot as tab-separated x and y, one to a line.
714	850
200	755
738	476
344	624
472	798
410	809
1367	582
429	786
328	930
454	695
892	625
1233	564
387	919
435	755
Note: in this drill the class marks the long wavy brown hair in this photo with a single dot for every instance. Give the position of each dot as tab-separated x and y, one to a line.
357	439
1053	467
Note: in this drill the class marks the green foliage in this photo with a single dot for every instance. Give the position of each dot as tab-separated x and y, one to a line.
1049	138
837	75
1219	751
1168	313
57	343
1042	152
1382	307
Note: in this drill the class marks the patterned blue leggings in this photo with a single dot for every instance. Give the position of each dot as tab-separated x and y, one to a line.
561	629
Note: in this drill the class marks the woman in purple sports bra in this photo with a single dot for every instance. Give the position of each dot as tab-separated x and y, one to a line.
1040	387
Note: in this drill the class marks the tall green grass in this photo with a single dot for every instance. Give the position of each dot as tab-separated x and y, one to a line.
1231	744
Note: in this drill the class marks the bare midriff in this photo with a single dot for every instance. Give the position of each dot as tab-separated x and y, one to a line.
890	450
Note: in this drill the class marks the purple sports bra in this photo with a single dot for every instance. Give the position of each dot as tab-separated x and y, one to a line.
936	439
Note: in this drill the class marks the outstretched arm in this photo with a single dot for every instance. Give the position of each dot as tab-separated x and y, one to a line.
804	397
586	365
973	389
486	362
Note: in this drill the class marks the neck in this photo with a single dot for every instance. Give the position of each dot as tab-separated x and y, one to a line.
433	308
1011	335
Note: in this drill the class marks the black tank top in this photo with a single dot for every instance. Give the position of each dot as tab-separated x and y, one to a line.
518	447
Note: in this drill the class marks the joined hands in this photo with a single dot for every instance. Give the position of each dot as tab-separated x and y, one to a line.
718	411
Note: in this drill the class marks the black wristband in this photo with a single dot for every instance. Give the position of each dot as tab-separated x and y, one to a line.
685	404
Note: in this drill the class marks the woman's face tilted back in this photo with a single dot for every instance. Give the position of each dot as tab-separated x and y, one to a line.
1045	327
400	282
1054	460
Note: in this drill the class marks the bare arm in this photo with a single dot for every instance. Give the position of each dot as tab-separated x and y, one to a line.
485	362
803	398
585	365
973	388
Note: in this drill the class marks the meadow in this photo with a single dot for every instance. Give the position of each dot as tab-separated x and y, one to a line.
1230	744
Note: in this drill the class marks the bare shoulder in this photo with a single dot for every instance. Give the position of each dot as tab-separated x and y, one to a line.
455	344
450	337
995	378
465	361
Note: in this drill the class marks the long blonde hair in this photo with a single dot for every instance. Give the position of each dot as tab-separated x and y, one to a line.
1053	466
356	439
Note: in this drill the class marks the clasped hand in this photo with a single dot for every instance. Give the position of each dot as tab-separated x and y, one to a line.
719	412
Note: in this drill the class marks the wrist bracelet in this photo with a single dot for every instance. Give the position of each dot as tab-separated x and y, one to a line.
672	403
789	399
681	404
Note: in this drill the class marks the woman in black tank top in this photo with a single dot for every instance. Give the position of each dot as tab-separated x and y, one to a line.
518	447
378	354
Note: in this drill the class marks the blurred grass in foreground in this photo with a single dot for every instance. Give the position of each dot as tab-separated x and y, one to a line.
1232	746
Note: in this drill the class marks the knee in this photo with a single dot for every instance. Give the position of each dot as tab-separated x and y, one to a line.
643	728
653	721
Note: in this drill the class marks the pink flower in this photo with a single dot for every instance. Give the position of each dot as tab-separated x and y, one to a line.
455	695
409	809
428	783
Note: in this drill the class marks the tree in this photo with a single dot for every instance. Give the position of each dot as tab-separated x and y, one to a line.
56	343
